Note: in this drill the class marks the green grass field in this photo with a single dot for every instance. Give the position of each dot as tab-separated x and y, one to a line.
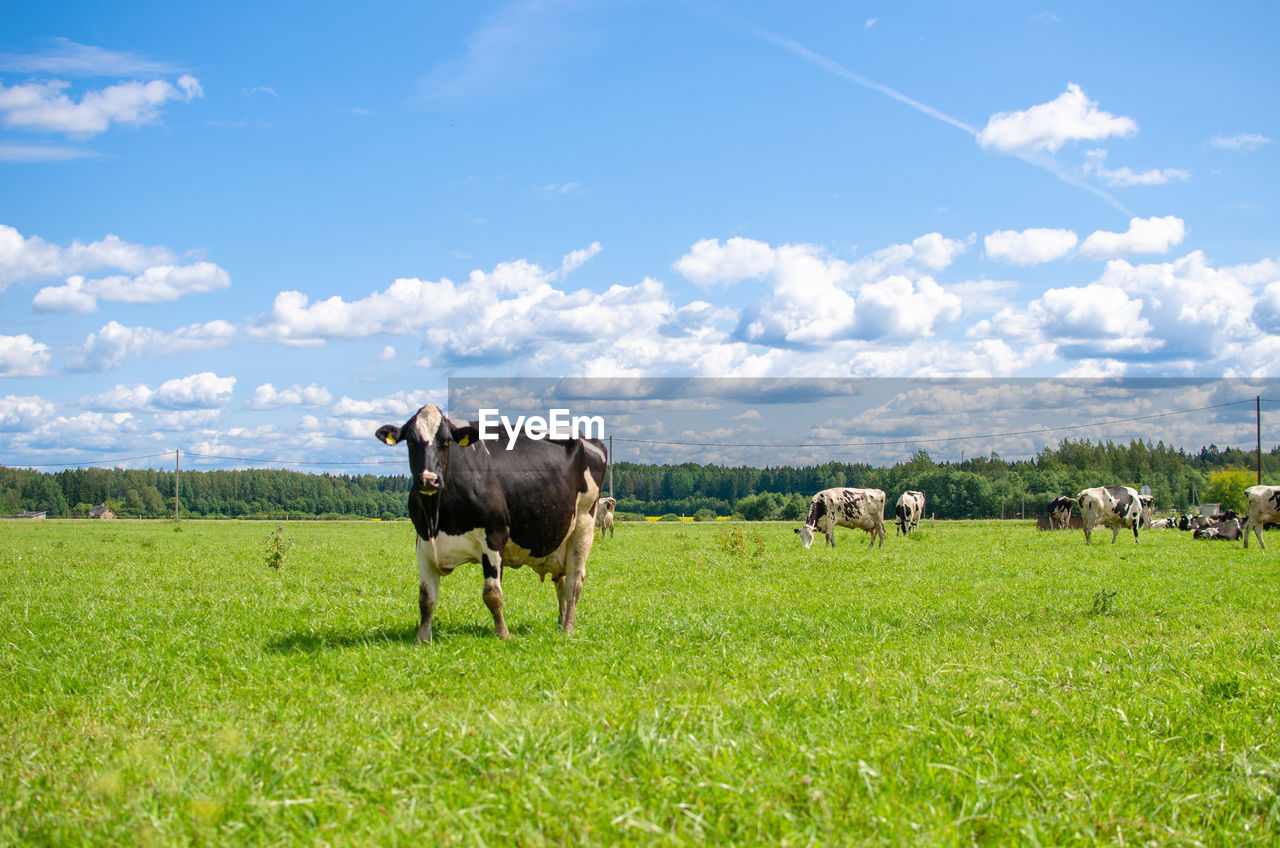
159	684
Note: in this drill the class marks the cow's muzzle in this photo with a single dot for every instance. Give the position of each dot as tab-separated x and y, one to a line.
429	483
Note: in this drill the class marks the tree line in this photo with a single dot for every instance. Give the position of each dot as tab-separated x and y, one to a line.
979	487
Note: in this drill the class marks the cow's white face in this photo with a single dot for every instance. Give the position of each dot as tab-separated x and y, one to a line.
806	536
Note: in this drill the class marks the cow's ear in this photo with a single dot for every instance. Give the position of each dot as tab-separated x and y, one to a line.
464	433
797	530
389	433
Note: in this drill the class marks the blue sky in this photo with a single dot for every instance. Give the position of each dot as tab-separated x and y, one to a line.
262	231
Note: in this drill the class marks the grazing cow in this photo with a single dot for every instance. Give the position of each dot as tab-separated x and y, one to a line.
532	505
1148	509
1264	506
1227	530
1162	524
853	508
604	517
1110	506
909	510
1060	512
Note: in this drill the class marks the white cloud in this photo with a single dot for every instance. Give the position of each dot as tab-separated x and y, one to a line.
1199	311
1184	314
157	284
1267	311
1125	176
20	414
22	356
1072	116
739	259
205	390
817	299
399	405
577	258
23	258
70	298
1029	247
43	107
41	153
122	398
267	396
66	57
114	342
1145	235
1240	142
707	262
388	354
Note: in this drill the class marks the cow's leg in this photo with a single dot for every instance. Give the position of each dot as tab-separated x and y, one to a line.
569	587
1135	531
1115	533
491	563
1088	533
1257	528
428	588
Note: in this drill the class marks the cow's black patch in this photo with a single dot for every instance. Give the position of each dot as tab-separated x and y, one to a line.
817	509
1120	495
490	571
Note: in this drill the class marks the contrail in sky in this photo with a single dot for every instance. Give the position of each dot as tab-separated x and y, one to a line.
858	79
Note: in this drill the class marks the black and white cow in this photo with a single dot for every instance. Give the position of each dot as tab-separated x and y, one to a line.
909	510
1060	512
604	516
854	508
1110	506
532	505
1264	506
1226	530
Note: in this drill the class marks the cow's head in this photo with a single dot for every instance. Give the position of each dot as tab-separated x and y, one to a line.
806	535
429	435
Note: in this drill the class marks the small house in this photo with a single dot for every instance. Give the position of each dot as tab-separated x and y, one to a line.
102	511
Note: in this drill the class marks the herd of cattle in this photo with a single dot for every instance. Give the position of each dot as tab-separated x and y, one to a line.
538	502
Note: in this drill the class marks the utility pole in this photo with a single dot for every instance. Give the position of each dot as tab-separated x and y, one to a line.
1257	408
176	463
611	466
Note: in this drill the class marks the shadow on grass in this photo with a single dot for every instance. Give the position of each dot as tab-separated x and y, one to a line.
312	641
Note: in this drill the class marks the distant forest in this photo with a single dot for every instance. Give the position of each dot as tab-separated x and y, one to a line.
981	487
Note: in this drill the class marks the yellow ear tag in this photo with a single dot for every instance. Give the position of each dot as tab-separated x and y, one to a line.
389	439
464	441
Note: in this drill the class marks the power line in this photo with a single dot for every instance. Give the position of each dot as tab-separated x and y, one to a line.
91	463
914	440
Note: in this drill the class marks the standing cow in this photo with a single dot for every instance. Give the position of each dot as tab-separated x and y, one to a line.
1264	506
604	516
1110	506
909	510
1060	512
854	508
531	505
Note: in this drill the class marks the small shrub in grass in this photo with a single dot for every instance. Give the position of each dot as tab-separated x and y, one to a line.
738	542
670	516
1102	602
277	547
